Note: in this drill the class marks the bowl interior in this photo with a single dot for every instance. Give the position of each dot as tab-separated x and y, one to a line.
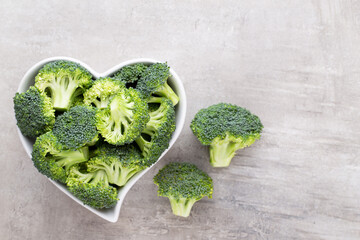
111	214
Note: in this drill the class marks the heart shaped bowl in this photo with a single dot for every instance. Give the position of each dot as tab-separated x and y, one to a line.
111	214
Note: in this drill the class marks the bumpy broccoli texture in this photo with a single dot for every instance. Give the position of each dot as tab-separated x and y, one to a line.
130	75
184	184
155	137
101	92
76	127
124	118
34	112
154	82
92	188
52	160
63	81
225	128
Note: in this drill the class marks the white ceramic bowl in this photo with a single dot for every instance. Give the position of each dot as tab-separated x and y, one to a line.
174	81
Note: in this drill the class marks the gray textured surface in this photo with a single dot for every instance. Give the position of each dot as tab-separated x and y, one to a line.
293	63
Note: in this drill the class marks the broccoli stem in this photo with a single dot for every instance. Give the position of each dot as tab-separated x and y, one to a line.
70	158
100	177
63	91
181	207
125	174
222	151
166	91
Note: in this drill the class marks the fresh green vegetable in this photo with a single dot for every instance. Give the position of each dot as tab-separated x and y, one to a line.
124	118
119	162
76	127
154	139
101	92
130	75
63	81
225	128
154	81
34	112
183	184
92	188
52	160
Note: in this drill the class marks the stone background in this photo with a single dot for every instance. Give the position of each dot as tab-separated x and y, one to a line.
293	63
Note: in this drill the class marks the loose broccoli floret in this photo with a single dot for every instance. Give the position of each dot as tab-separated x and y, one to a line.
92	188
154	139
119	162
63	81
154	81
34	112
101	91
124	118
76	127
52	160
226	128
130	75
183	184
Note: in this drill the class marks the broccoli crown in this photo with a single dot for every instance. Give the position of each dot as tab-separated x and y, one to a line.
52	160
183	180
63	81
128	154
76	127
183	184
101	91
131	74
92	188
223	119
124	118
153	78
155	137
154	81
34	112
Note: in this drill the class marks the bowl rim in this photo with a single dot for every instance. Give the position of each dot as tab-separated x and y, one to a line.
111	214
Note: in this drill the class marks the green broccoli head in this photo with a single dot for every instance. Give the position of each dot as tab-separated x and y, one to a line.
226	128
92	188
130	75
155	137
76	127
52	160
101	92
63	81
183	184
119	162
154	81
124	118
34	112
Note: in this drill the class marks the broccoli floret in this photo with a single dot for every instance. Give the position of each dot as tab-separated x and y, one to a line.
226	128
130	75
92	188
119	162
76	127
183	184
63	81
154	81
154	139
101	91
124	118
52	160
34	112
